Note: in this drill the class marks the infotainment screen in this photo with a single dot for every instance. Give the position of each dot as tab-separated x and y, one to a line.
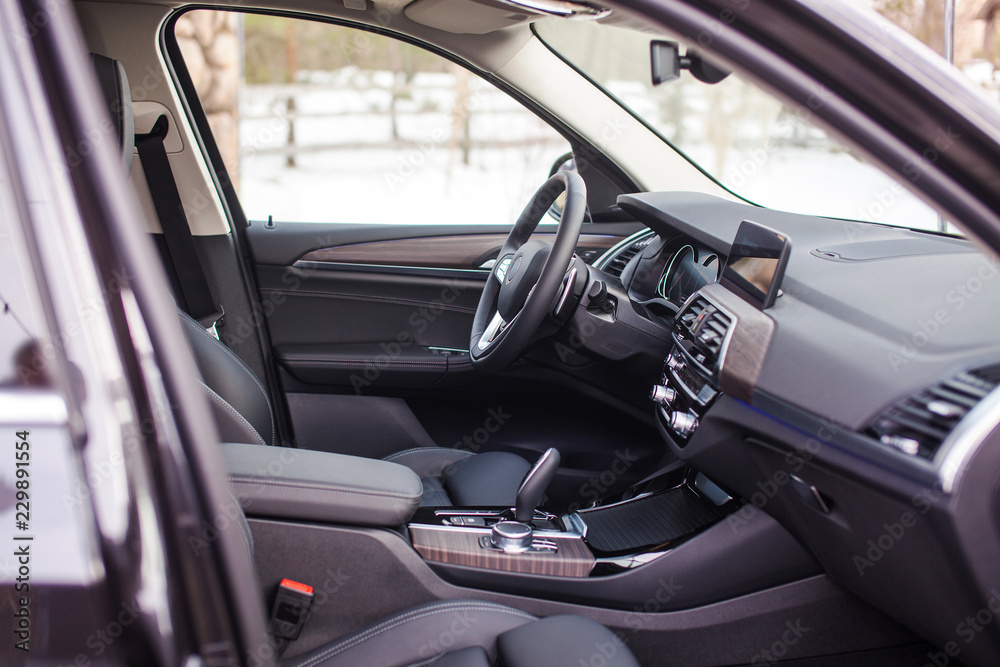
756	263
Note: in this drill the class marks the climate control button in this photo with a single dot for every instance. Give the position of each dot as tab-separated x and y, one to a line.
683	423
663	395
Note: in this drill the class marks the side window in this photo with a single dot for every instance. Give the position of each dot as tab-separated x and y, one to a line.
323	123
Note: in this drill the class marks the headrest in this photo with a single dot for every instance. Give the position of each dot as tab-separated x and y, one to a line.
114	86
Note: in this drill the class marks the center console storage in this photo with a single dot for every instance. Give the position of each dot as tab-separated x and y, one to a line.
301	484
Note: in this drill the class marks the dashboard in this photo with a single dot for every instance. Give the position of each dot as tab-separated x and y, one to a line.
864	399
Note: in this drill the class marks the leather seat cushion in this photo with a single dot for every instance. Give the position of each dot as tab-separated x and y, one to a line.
418	635
473	633
454	477
487	479
563	641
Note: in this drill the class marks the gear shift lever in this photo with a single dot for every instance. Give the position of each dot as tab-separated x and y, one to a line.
516	536
533	486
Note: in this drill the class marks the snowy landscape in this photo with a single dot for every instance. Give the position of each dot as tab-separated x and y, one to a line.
351	166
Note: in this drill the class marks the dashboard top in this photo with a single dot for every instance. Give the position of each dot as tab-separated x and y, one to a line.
868	314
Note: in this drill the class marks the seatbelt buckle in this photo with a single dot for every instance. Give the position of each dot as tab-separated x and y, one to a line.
210	322
290	609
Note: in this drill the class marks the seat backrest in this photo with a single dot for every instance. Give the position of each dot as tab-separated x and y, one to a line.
239	400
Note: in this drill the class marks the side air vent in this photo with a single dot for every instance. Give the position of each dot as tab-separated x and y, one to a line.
618	263
918	424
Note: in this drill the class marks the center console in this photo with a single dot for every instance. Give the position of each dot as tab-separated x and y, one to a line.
616	535
702	333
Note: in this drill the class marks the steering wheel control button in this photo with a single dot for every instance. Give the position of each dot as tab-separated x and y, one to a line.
502	267
663	395
512	537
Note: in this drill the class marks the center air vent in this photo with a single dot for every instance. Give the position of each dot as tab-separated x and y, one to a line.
691	315
617	264
707	326
918	424
713	332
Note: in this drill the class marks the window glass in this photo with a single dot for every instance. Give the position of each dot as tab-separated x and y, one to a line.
751	143
323	123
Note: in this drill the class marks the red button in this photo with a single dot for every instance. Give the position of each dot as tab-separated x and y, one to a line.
294	585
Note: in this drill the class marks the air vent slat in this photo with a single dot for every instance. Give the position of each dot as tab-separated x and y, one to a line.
920	427
710	326
927	417
964	401
616	265
962	392
720	326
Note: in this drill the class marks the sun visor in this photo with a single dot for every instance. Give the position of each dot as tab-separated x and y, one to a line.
466	16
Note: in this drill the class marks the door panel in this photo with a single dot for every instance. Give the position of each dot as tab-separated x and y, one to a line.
383	310
369	331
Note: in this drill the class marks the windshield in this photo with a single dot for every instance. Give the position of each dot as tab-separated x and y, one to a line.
752	144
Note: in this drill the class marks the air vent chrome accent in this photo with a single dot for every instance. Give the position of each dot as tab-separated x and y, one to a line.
918	424
616	265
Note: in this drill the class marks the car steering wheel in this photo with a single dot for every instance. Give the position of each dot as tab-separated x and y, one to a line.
527	275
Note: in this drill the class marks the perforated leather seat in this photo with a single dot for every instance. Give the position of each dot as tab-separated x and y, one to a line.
241	403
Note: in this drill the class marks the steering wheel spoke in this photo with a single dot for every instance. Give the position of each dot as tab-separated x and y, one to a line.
493	329
530	274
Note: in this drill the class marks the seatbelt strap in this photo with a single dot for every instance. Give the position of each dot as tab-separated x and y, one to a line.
195	291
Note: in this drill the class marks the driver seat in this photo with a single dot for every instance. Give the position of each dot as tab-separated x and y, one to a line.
242	406
242	409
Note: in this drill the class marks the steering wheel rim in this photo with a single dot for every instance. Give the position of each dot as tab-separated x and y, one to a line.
515	302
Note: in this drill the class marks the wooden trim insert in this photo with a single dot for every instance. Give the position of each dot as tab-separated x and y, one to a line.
752	331
460	546
467	251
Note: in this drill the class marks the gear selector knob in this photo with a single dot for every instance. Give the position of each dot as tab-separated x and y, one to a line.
533	486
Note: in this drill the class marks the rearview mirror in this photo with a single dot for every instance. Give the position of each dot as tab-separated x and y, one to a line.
666	63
